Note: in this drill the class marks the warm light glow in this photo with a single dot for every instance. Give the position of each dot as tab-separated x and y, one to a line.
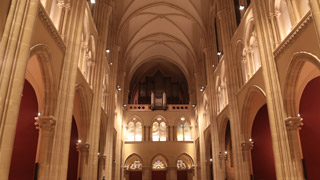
182	119
107	50
180	132
79	141
242	7
226	152
250	140
219	53
39	114
299	115
158	165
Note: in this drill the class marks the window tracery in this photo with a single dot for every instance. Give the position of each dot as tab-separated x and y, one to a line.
134	131
136	165
158	164
183	130
181	165
159	130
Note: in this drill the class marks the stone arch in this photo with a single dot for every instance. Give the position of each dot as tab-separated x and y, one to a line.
131	158
255	95
81	112
187	159
291	80
47	100
160	157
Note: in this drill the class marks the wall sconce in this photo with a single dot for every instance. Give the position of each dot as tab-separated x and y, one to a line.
242	7
118	88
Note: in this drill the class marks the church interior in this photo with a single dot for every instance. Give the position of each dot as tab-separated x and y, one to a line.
159	89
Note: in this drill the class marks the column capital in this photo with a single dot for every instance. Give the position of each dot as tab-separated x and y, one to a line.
46	123
247	145
83	147
294	123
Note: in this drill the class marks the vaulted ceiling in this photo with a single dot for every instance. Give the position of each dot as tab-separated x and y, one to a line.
164	30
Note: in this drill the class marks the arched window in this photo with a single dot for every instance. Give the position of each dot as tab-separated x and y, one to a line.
159	130
158	164
183	130
134	130
283	17
181	165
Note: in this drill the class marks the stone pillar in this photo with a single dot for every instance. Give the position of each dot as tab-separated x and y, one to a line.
102	165
284	162
14	53
172	173
294	125
246	156
273	16
292	12
65	99
46	126
83	149
315	10
146	173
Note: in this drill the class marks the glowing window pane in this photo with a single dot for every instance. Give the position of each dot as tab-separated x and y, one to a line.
187	132
158	165
136	165
181	165
138	131
180	132
155	131
130	132
163	131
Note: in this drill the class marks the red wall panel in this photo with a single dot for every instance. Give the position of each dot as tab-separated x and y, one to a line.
262	153
159	175
310	134
26	138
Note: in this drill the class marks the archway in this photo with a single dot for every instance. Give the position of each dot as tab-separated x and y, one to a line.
73	153
184	167
309	134
26	137
159	168
262	152
133	165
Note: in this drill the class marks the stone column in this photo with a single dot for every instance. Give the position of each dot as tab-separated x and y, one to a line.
273	16
14	53
315	10
292	12
284	162
83	149
46	127
102	165
294	125
146	173
65	99
247	146
172	173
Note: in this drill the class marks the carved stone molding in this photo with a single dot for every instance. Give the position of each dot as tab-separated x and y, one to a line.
45	19
46	123
247	145
83	147
294	123
294	34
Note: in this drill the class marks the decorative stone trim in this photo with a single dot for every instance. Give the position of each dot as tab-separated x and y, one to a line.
294	123
294	34
46	123
45	19
83	147
247	145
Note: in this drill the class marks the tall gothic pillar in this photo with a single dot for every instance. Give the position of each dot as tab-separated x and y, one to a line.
315	10
46	126
14	53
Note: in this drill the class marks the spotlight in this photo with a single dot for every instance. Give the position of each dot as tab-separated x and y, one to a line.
219	53
242	7
79	140
39	114
124	105
107	50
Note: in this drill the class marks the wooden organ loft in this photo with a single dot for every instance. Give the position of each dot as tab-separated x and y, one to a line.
159	90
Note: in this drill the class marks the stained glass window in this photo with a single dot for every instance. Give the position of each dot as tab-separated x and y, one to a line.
134	131
136	165
158	165
159	131
181	165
